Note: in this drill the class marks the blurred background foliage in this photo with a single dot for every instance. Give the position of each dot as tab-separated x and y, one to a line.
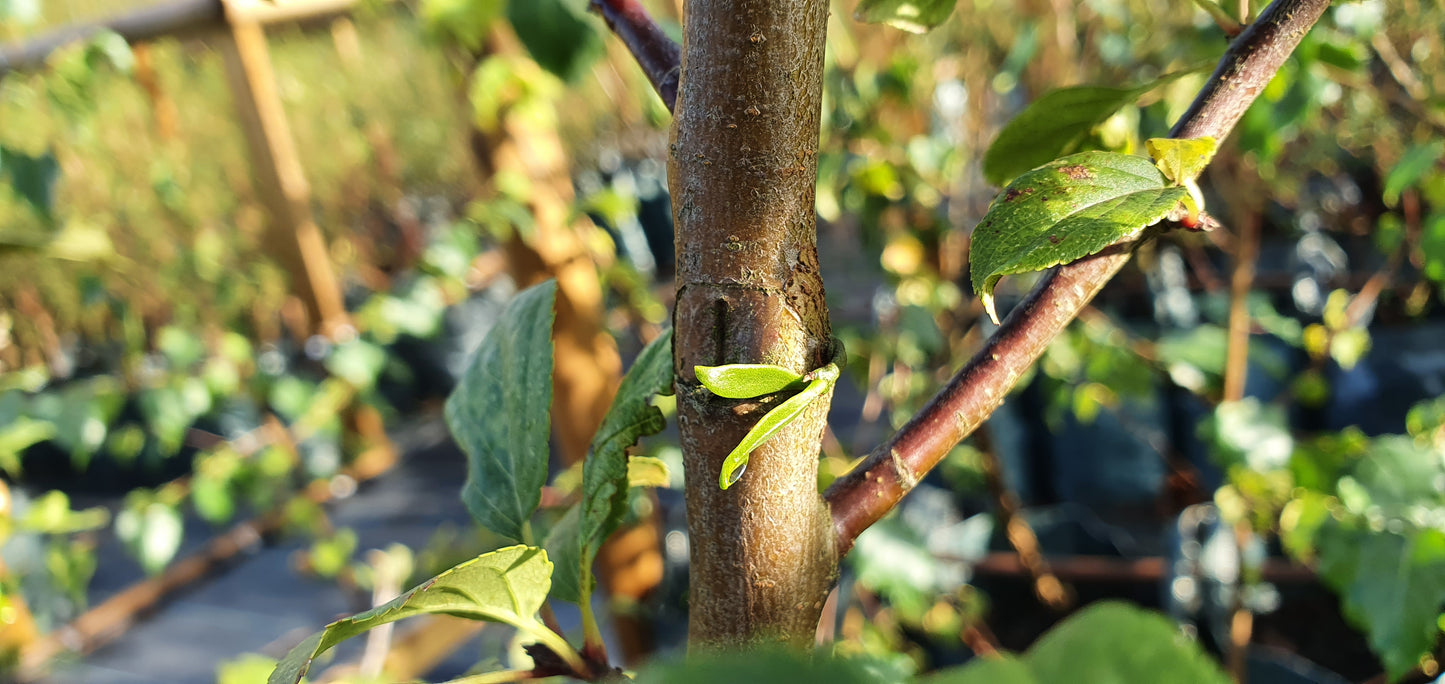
150	372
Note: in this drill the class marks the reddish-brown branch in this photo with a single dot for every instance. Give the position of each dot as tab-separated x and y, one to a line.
659	57
866	494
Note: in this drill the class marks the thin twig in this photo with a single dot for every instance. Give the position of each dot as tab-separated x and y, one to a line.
1236	355
1020	535
659	57
863	496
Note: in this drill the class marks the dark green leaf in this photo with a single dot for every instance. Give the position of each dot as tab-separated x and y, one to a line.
1066	210
558	39
1416	162
1392	586
33	179
507	585
564	547
1051	126
746	380
914	16
604	474
499	414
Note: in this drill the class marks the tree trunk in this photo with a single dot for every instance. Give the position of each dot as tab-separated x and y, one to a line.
742	169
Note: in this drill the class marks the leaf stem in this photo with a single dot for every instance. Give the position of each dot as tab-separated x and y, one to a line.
553	640
592	643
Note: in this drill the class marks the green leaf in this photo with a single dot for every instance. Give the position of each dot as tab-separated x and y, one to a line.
605	473
1249	433
1116	642
1066	210
646	471
914	16
1109	641
358	362
746	380
1004	670
556	36
764	665
1391	585
1181	160
1413	165
1426	418
507	585
33	179
499	414
1051	126
151	531
775	420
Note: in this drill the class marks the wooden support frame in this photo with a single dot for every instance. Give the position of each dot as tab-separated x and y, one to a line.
294	238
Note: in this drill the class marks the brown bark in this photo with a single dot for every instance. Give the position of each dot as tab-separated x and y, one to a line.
742	169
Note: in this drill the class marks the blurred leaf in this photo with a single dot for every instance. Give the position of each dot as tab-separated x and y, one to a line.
500	413
1392	586
1249	433
1115	641
891	559
51	514
33	179
763	665
465	22
1053	125
1066	210
745	380
1427	418
646	471
329	555
109	47
1413	165
151	532
181	347
17	435
1003	670
914	16
555	35
1432	244
507	585
358	362
1109	641
248	668
1399	474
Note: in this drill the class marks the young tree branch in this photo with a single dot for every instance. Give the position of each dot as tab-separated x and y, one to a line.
863	496
659	57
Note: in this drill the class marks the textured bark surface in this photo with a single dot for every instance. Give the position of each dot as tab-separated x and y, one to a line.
742	168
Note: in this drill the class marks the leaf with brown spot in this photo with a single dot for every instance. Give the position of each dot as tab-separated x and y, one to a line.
1066	210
